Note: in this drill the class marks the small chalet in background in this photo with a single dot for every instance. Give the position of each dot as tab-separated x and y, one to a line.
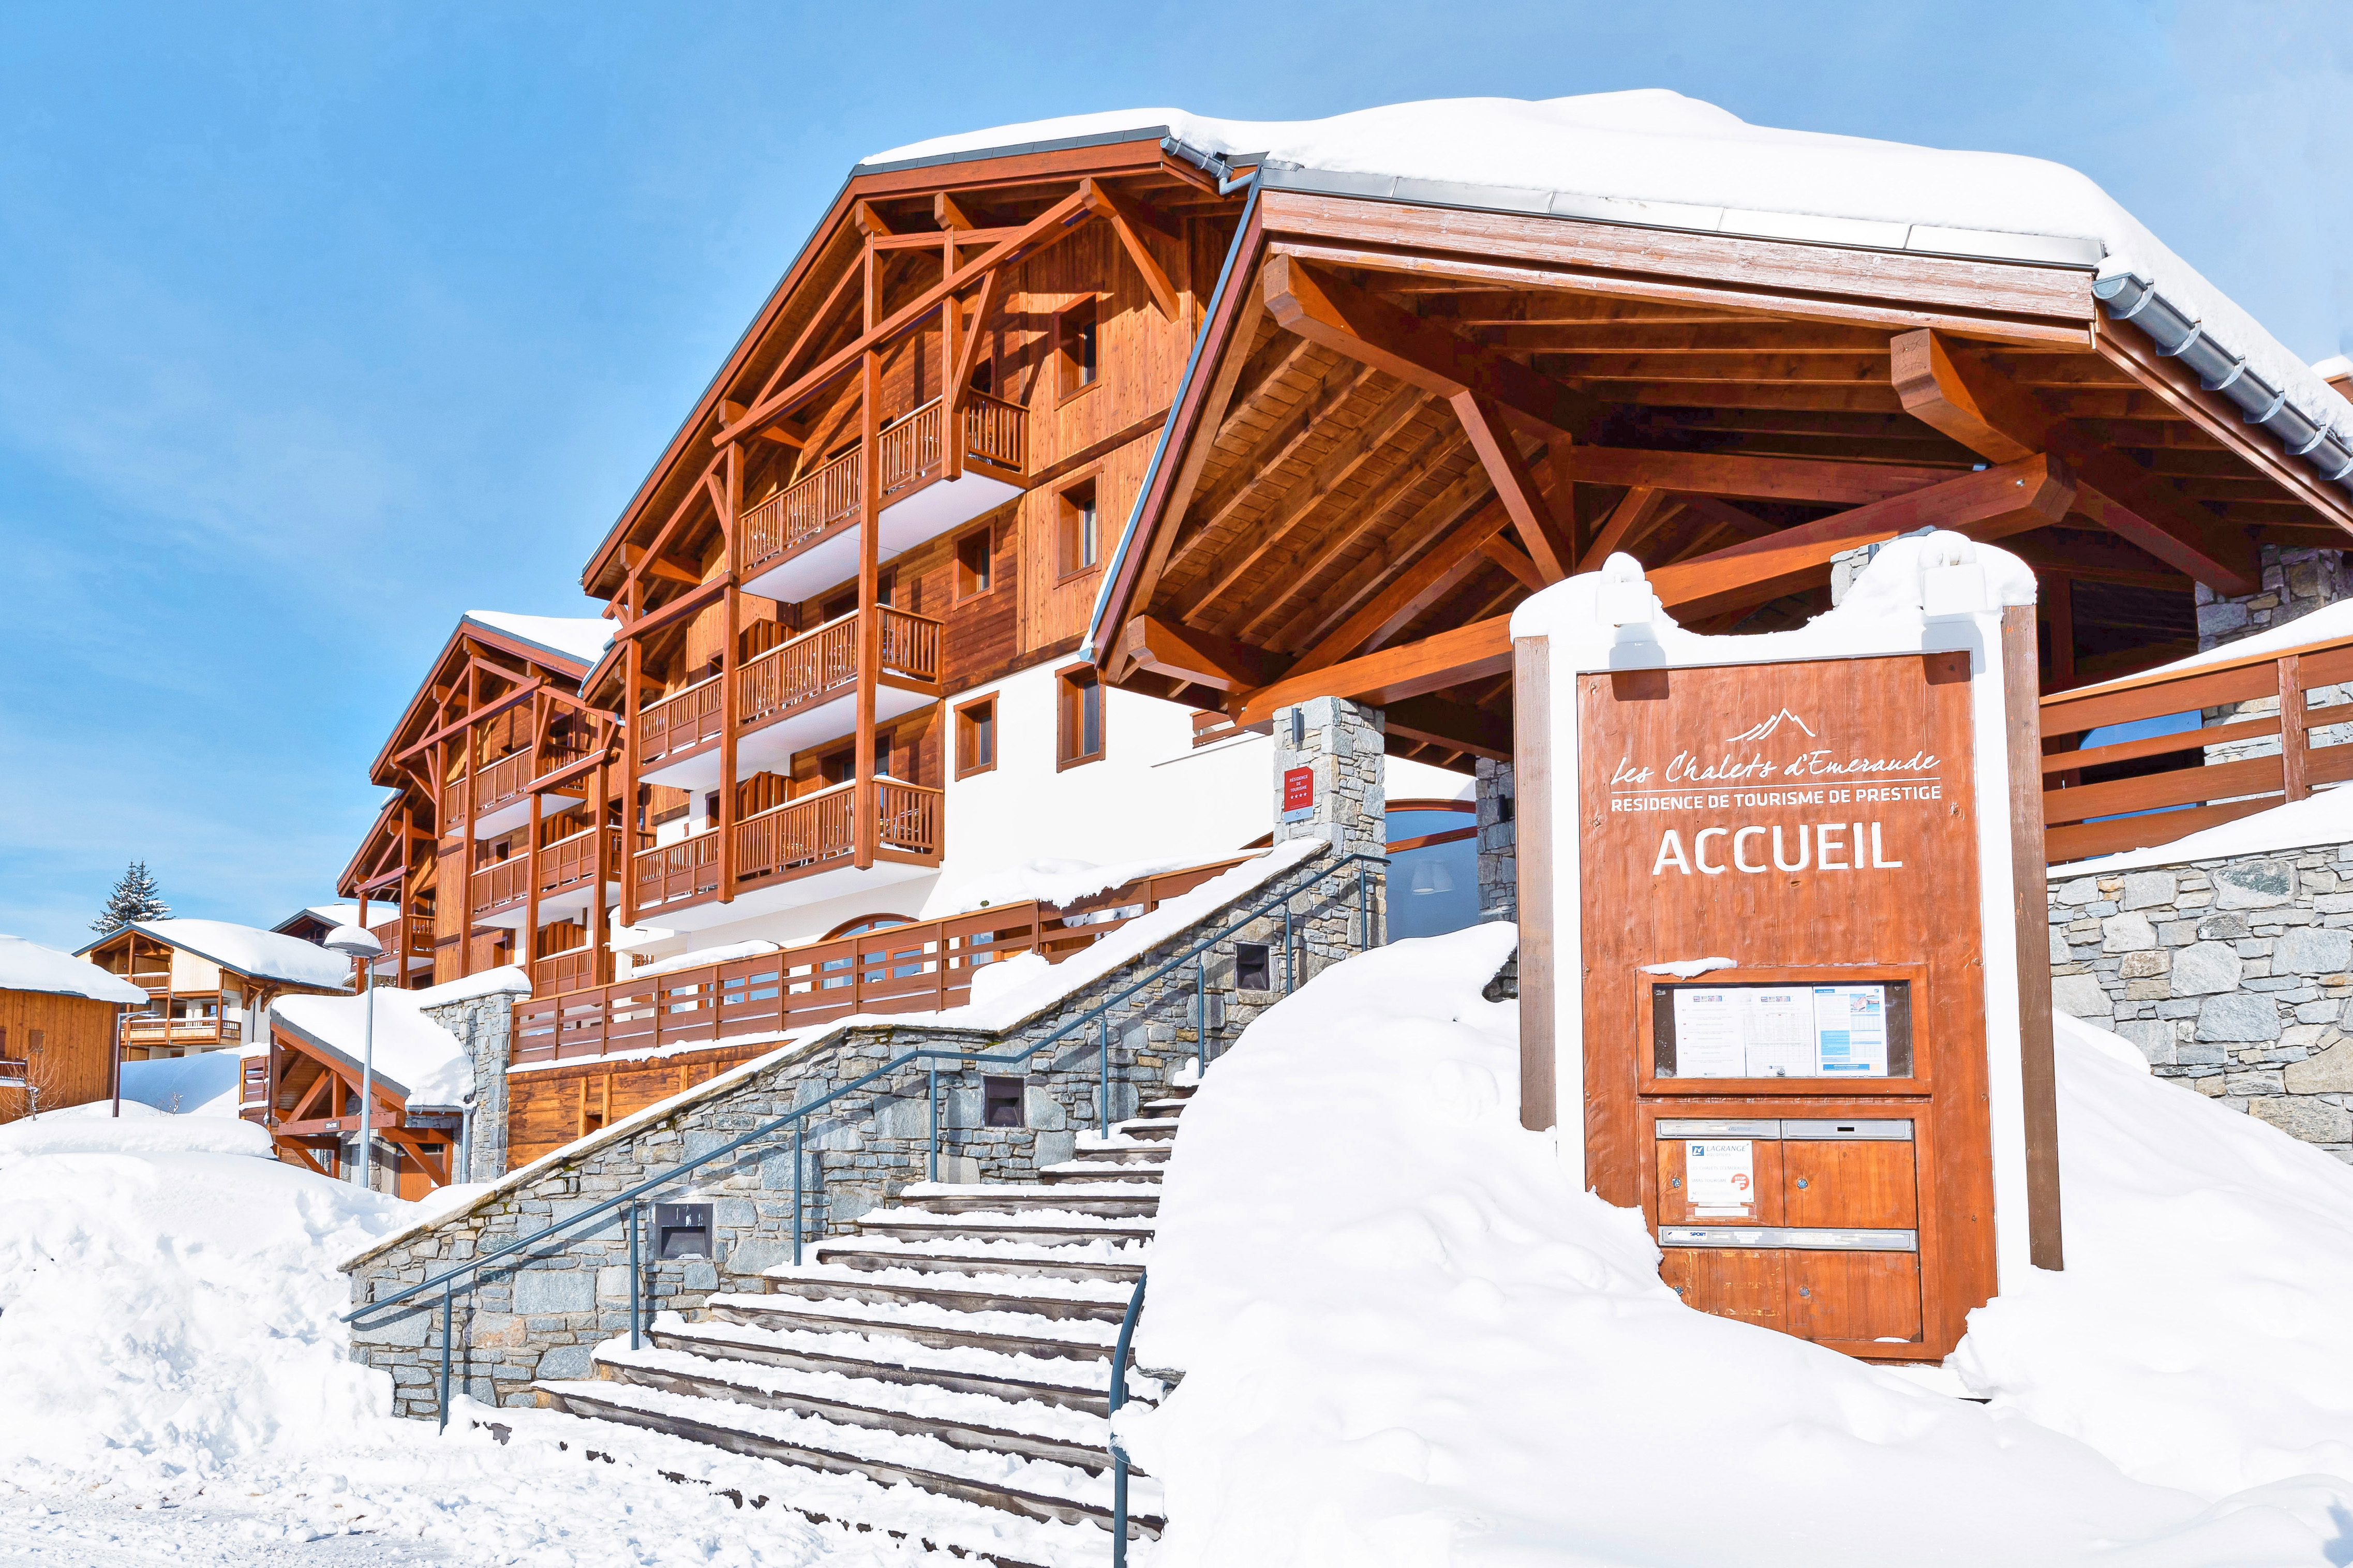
58	1019
209	984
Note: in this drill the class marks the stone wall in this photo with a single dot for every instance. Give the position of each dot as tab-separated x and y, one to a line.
540	1315
2230	975
486	1024
1498	864
2295	582
1342	742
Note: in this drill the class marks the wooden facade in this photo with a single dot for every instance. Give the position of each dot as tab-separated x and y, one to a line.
502	843
902	485
196	1003
308	1097
54	1050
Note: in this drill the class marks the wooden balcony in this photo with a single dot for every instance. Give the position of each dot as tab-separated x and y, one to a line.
569	863
406	940
2132	794
149	1033
793	696
924	966
815	833
501	885
563	972
803	539
498	796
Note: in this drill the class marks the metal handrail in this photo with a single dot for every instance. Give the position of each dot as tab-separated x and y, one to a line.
798	1118
1117	1397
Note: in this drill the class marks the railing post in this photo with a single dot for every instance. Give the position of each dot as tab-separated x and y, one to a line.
635	1273
448	1317
1113	1398
932	1172
1102	1093
1288	976
797	1190
1363	909
2294	782
1201	1018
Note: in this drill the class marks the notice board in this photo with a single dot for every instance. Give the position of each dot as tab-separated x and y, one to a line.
1805	1129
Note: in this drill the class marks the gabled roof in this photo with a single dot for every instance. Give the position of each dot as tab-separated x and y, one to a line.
245	950
417	1060
580	639
29	966
325	914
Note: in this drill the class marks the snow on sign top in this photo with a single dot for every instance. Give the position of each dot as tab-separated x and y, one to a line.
580	639
1658	158
29	966
262	954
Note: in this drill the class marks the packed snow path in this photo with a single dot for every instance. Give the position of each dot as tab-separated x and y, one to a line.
956	1351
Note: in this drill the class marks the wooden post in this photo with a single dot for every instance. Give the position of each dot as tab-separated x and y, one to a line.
1532	743
530	896
600	952
468	739
863	803
951	396
2294	752
730	624
2022	723
630	662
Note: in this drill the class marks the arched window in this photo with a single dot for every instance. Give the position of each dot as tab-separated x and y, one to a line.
865	923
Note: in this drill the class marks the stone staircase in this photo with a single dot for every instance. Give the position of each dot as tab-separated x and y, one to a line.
958	1344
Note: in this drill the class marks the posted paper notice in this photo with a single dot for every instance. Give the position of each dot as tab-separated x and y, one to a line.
1851	1030
1721	1174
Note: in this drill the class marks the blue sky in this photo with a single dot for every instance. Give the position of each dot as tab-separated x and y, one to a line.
320	325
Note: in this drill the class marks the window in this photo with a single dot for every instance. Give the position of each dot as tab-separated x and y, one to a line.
972	564
835	768
865	923
1253	966
984	375
1079	719
1074	345
1002	1100
840	605
976	737
1075	535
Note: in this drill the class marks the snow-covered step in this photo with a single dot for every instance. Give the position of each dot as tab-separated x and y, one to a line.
1007	1333
1125	1154
1160	1109
960	1419
1148	1129
872	1257
1015	1378
1097	1301
1107	1201
1031	1488
1092	1170
1044	1230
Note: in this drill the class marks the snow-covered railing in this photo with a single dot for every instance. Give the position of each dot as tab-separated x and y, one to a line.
2171	783
631	1200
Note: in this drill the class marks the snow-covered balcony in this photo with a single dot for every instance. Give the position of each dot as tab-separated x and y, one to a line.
792	697
804	540
791	854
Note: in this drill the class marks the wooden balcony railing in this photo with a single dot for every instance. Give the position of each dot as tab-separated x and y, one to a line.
803	512
994	434
669	873
681	723
176	1032
572	860
499	886
409	936
508	779
2131	795
921	967
820	663
562	972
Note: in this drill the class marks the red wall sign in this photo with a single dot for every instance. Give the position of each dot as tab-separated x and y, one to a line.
1298	789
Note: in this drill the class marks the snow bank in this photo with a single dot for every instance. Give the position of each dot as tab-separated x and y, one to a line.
206	1084
100	1132
2197	1334
508	978
1408	1338
2324	818
167	1313
29	966
1678	162
416	1056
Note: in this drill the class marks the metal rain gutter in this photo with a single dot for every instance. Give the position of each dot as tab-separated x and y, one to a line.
2129	297
1228	183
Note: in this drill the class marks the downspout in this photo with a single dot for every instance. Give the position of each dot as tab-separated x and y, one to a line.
1228	184
2131	298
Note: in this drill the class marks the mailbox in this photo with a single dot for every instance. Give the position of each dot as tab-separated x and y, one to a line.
682	1230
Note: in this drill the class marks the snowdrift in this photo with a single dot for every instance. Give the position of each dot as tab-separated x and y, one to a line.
1407	1338
141	1129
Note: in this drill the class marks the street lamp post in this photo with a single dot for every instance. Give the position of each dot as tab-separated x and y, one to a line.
364	947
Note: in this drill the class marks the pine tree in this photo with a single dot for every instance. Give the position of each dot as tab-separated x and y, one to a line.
136	898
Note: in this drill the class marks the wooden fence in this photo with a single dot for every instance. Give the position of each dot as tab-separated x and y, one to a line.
2131	795
911	968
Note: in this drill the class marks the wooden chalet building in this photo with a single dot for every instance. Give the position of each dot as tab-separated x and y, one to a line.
210	985
59	1018
487	852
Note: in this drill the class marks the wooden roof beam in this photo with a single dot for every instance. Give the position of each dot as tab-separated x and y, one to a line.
1475	652
1950	385
1512	559
1128	220
1551	547
1438	574
1434	721
1992	504
1187	654
1637	513
1324	308
1283	442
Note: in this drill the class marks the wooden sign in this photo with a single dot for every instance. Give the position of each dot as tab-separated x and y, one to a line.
1784	1026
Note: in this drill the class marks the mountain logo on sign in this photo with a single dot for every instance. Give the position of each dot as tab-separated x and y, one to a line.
1760	732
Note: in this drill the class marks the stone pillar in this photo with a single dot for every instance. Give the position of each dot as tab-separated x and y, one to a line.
2296	581
486	1024
1340	744
1499	865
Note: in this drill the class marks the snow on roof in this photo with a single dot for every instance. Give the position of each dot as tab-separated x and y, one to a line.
206	1084
263	955
138	1134
415	1057
2328	622
580	639
2325	817
1656	158
330	914
2335	367
507	978
29	966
